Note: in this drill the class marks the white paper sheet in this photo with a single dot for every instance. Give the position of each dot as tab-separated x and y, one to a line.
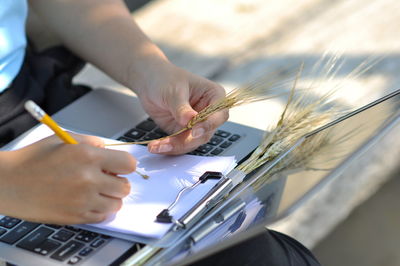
168	175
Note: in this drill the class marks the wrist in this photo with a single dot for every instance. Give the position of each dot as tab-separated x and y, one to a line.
6	175
5	161
145	67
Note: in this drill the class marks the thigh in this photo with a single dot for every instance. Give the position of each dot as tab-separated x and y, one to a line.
269	248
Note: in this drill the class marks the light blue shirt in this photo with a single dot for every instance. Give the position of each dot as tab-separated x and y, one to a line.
13	15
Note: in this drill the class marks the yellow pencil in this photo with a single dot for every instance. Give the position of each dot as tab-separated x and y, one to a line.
44	118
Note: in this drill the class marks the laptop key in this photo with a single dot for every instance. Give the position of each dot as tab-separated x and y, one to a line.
34	239
152	135
67	250
18	232
86	236
125	139
147	125
215	140
9	222
135	133
196	153
204	148
86	251
234	137
161	132
226	144
105	236
74	260
97	243
63	235
222	133
54	226
46	247
72	228
216	151
2	231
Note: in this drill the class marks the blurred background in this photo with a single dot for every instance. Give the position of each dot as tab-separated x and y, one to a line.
355	219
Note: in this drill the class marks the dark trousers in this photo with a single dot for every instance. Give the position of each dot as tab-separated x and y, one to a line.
270	248
46	78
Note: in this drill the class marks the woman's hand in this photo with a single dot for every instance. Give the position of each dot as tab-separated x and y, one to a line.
173	96
53	182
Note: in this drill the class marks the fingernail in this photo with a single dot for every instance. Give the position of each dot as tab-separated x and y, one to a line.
152	149
165	148
198	132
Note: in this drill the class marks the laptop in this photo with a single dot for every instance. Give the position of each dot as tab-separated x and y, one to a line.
246	211
273	191
116	115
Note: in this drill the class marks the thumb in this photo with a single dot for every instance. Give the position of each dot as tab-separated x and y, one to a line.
180	107
183	113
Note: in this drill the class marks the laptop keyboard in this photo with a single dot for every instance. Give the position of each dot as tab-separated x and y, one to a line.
73	245
148	130
60	243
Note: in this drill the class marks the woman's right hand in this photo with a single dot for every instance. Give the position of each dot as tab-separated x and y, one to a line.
53	182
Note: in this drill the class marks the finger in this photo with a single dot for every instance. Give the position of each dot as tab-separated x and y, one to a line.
180	144
179	106
210	124
118	162
184	113
169	145
213	94
114	186
90	217
106	205
190	140
90	140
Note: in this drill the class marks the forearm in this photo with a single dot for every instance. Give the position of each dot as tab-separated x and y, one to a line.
103	33
5	190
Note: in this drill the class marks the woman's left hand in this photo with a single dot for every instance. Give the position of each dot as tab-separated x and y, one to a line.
173	96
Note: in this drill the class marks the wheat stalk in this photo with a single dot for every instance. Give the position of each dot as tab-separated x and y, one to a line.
299	158
298	118
301	116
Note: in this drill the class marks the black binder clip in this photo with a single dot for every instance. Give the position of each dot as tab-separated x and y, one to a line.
165	217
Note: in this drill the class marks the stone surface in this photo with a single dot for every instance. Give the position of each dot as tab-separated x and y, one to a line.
370	235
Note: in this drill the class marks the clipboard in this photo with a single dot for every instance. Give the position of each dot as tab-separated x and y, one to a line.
221	207
216	194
